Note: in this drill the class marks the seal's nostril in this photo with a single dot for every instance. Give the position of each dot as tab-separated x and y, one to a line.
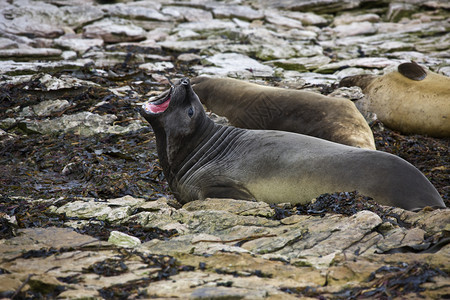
185	81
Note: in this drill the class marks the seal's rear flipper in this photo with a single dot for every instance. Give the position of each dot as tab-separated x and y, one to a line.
357	80
412	71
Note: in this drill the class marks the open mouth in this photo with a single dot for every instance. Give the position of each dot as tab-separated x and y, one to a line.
159	103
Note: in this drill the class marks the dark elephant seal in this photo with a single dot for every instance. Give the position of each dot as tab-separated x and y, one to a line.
411	99
254	106
201	159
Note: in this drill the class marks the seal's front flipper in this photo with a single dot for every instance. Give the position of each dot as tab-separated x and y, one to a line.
230	191
412	71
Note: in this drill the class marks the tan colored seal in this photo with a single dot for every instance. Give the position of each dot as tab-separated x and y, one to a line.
411	100
253	106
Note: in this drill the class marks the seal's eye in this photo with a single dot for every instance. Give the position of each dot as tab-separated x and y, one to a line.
190	112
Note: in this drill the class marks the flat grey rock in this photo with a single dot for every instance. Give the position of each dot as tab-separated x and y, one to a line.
184	46
190	14
236	65
10	67
238	11
357	28
302	64
277	19
26	54
114	31
83	123
369	62
6	43
134	12
77	43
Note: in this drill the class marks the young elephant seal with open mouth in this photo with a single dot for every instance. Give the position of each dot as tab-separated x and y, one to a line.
411	99
254	106
202	159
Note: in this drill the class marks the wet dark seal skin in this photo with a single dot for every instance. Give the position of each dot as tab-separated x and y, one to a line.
253	106
201	159
411	99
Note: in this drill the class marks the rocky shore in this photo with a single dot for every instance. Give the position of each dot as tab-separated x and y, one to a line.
85	210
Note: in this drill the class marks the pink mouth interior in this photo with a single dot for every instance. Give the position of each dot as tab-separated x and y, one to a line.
150	107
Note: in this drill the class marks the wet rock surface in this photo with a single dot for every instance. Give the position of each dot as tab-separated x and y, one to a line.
85	210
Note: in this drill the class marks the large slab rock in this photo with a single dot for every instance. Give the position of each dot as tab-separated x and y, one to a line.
369	62
83	123
30	20
77	16
6	43
26	54
317	6
11	67
52	83
397	11
302	64
207	28
77	43
356	28
190	14
41	19
237	11
111	210
307	18
235	65
229	248
200	285
44	260
114	31
276	18
134	12
45	108
347	18
192	45
239	207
